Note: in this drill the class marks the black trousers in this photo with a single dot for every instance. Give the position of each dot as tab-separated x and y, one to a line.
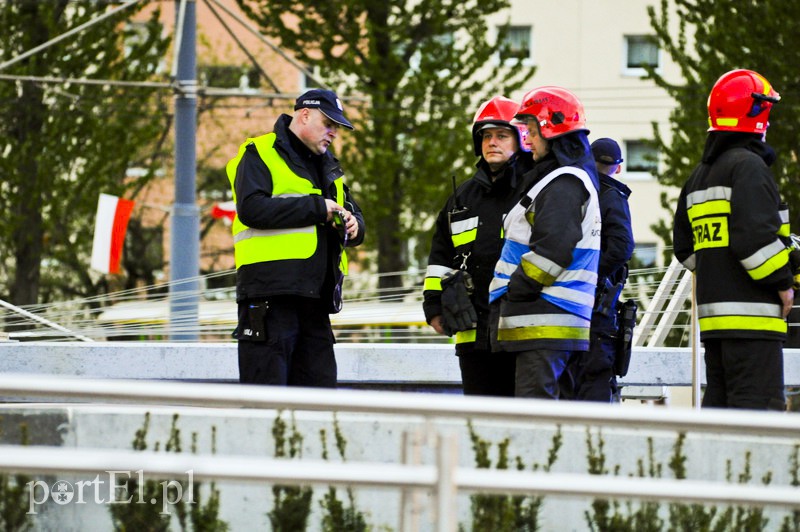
593	370
487	373
744	373
298	348
542	373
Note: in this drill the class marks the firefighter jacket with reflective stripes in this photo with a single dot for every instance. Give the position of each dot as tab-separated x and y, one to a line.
545	279
728	224
469	233
283	243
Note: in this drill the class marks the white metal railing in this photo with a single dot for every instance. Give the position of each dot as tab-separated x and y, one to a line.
444	478
422	404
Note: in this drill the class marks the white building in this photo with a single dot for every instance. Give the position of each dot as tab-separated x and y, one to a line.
595	48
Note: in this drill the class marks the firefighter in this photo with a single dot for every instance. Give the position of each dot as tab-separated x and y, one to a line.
294	216
729	224
543	288
466	244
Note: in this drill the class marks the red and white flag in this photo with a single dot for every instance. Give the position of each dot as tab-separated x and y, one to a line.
225	210
110	227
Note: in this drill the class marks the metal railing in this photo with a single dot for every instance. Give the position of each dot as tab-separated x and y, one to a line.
443	478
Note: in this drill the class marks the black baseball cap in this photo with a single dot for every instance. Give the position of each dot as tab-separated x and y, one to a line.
606	151
327	102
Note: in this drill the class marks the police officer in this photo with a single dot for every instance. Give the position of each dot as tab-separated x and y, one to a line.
290	193
595	379
466	245
543	288
728	226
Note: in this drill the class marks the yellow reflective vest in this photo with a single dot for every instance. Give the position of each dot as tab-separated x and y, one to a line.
263	245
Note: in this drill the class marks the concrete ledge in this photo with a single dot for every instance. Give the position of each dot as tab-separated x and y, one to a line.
397	364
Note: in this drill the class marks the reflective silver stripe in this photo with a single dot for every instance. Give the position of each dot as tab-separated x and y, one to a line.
570	294
709	194
784	214
464	225
584	276
504	267
435	270
763	255
738	308
691	262
544	264
542	320
253	233
497	282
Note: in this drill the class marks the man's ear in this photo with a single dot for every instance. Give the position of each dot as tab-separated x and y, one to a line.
619	169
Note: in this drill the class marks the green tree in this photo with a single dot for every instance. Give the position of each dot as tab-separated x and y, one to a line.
422	68
714	37
64	143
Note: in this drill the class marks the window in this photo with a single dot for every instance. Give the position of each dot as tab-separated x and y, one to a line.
640	51
640	157
516	43
306	81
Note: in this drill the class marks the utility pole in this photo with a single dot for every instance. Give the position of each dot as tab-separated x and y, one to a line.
185	227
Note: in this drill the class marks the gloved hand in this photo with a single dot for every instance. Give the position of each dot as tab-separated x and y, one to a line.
794	258
458	313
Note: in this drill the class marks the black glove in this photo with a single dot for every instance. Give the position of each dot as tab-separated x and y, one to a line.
457	310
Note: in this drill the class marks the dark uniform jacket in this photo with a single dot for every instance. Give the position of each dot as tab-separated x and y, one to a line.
487	201
726	229
256	208
616	237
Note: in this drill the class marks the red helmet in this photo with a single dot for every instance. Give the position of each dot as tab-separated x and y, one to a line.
740	101
555	109
497	112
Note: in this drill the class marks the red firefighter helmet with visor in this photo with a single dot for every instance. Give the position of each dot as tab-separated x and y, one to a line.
555	109
740	101
496	112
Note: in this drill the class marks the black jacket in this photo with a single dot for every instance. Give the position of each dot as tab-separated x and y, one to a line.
720	246
616	237
489	201
256	208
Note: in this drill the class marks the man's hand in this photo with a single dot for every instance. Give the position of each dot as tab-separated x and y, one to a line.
438	325
787	299
350	221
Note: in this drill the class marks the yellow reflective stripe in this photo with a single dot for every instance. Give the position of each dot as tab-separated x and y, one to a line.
463	337
775	263
710	233
285	246
729	122
464	238
748	323
543	332
432	283
709	208
784	230
537	274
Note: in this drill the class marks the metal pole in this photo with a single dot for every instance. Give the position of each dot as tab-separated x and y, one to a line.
185	230
695	337
43	321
